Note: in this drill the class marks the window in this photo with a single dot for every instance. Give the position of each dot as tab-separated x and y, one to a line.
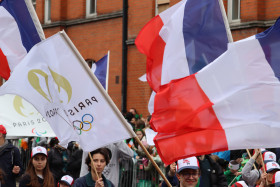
90	8
34	3
233	10
47	11
161	5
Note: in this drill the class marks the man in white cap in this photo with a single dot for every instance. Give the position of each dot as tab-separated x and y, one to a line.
188	172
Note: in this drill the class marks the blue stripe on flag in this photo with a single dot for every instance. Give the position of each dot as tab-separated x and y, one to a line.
28	32
204	33
101	70
270	42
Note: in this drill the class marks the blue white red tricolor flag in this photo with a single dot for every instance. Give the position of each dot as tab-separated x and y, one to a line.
100	70
181	40
232	103
20	31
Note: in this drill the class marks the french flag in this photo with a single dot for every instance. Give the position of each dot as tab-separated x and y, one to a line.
181	40
100	70
19	31
232	103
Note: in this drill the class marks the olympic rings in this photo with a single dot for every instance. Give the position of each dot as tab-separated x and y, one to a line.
87	115
81	124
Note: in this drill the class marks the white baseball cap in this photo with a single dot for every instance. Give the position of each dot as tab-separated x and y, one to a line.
187	163
240	184
67	179
39	150
269	156
270	166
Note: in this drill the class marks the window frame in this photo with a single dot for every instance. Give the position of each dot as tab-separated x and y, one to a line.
34	4
160	4
88	13
230	11
47	13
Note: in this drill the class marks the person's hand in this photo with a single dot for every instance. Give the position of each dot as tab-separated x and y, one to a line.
237	173
16	169
99	183
133	147
263	176
239	160
172	170
257	152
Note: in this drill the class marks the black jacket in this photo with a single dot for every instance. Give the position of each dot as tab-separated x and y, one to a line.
74	165
10	157
214	174
25	180
56	163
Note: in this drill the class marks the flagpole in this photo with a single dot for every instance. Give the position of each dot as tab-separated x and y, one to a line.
107	73
152	160
248	152
110	102
223	11
263	166
92	164
35	19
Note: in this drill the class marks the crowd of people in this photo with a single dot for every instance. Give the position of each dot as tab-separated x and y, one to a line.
43	162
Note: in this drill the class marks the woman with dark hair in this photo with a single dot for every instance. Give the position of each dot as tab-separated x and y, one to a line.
38	173
101	157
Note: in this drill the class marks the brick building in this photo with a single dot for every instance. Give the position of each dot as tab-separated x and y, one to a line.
96	26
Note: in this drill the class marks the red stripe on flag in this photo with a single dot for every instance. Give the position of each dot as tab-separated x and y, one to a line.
178	105
4	66
178	145
186	121
152	45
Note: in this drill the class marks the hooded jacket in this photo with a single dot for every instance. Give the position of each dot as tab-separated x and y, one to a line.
10	157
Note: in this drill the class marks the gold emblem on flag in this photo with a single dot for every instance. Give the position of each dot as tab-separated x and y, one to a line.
59	80
18	106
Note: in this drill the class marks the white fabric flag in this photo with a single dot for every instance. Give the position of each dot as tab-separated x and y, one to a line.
53	78
150	134
143	78
22	119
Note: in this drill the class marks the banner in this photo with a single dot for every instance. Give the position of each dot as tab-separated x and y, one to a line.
21	119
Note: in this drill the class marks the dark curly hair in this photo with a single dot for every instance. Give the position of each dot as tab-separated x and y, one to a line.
103	151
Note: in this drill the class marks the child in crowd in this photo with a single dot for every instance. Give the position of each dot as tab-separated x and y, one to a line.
66	181
232	174
37	172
